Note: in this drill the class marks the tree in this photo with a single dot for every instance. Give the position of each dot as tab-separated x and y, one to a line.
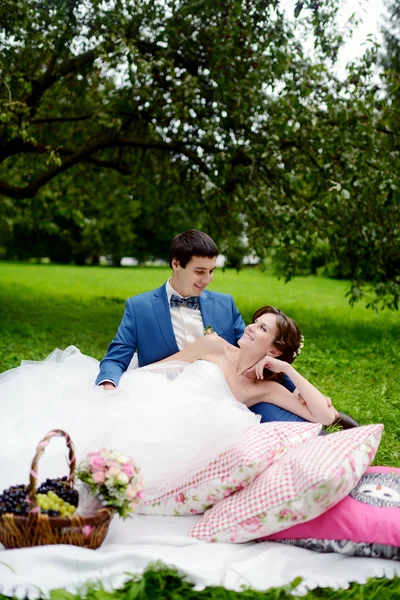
390	57
217	100
336	182
83	80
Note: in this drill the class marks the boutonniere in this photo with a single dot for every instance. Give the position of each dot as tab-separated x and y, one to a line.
208	330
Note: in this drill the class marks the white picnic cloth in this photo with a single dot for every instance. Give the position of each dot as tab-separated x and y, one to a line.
133	545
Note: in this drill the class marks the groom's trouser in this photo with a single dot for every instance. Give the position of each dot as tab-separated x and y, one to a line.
270	412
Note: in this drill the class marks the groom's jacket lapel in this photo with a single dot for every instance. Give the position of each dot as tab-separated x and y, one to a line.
163	316
207	309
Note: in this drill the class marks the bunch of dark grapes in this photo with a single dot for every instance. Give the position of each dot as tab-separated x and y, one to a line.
62	488
13	500
55	497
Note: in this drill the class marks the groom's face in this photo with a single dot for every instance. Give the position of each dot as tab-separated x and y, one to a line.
195	277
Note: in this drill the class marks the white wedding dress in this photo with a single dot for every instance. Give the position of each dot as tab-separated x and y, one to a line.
171	418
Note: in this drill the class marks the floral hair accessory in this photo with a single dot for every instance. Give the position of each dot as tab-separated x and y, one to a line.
209	330
114	479
301	345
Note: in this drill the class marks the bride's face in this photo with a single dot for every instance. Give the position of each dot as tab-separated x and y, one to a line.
259	337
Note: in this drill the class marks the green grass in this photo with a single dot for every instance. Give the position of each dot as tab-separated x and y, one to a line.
163	583
350	354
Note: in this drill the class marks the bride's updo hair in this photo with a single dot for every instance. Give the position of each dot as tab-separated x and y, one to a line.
289	336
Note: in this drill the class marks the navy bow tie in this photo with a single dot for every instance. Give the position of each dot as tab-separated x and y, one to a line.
191	302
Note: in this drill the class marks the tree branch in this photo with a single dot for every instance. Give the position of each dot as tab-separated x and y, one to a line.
146	47
175	147
84	154
75	62
118	166
386	130
61	119
29	147
72	64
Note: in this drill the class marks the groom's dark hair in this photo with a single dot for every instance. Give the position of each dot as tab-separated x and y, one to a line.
191	243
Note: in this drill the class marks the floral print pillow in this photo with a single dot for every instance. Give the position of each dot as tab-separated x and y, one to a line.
299	487
231	471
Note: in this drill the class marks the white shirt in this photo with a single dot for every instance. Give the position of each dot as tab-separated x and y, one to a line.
187	322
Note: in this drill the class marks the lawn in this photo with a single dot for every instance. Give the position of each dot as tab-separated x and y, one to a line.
351	354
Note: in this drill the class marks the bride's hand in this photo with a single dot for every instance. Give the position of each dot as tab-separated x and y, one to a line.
328	402
268	362
330	405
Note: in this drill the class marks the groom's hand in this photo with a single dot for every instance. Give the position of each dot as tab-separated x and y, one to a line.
108	386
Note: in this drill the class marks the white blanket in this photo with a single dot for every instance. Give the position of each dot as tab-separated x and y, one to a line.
132	545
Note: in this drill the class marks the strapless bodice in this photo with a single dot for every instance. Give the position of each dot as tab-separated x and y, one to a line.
205	377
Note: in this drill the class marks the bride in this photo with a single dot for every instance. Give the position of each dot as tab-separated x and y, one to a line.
170	417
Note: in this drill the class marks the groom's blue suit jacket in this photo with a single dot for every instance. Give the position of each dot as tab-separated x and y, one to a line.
147	327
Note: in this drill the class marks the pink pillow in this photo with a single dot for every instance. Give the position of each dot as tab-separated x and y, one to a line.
365	523
232	470
297	488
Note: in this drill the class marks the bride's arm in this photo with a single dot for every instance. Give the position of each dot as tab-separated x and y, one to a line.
310	403
202	348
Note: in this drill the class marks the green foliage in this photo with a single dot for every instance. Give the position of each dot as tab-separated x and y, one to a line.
390	58
348	199
234	253
123	123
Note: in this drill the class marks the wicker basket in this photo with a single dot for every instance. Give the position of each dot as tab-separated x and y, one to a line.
37	529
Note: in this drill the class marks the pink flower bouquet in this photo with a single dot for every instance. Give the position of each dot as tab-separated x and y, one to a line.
114	479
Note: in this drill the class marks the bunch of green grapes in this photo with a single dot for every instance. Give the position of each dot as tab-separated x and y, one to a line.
62	488
54	506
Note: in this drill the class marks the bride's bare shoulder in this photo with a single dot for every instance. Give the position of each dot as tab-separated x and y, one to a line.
212	342
211	347
203	348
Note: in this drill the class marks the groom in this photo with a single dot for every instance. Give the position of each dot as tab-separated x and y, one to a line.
159	323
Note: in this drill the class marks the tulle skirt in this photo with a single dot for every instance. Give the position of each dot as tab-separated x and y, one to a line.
171	418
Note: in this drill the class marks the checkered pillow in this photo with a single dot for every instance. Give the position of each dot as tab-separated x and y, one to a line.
232	470
297	488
